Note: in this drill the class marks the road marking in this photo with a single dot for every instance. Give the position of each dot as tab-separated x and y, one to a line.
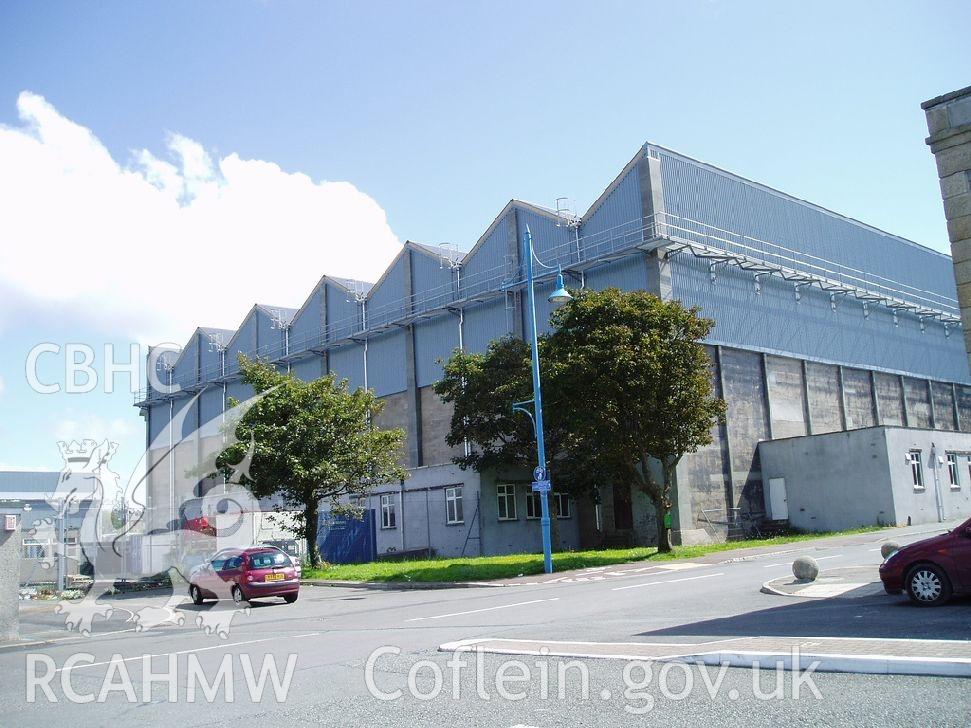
186	652
484	609
669	581
823	558
769	566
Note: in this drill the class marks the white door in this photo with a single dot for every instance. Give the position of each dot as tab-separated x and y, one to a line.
778	503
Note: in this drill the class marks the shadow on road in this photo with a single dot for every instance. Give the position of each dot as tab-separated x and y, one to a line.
866	615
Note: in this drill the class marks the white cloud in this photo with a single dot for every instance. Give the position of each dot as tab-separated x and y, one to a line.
154	247
73	425
3	386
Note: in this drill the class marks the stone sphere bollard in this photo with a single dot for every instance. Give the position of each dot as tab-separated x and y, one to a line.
888	548
805	568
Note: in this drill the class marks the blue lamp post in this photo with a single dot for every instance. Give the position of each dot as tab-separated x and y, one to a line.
560	295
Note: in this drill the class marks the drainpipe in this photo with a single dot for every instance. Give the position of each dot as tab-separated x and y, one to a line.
937	485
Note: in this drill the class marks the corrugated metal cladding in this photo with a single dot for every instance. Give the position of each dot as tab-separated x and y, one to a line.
699	192
244	342
308	322
386	301
210	356
191	422
485	269
627	274
386	370
343	313
485	322
187	365
158	419
270	334
211	402
435	339
620	213
553	243
309	368
809	328
432	280
347	362
238	390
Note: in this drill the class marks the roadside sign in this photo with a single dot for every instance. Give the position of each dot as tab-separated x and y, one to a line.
541	486
539	473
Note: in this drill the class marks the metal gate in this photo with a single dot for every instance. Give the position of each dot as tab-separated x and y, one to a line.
344	540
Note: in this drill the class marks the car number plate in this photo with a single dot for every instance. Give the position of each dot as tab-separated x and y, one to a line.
274	577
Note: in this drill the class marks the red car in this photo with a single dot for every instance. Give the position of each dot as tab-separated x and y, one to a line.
245	574
932	570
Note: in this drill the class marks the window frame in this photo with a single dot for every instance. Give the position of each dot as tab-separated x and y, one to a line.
387	503
916	464
562	498
953	473
506	494
532	499
453	505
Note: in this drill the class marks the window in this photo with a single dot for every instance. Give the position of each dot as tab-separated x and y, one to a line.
506	497
533	507
387	511
562	501
952	469
916	469
453	505
269	559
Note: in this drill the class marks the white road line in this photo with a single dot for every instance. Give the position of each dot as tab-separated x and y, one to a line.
669	581
823	558
769	566
484	609
186	652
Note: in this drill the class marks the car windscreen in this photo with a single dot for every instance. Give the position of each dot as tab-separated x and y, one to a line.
267	560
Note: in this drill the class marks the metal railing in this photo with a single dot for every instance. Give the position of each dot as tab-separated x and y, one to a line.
666	233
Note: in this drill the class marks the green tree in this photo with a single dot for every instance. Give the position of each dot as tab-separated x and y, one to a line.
641	384
312	441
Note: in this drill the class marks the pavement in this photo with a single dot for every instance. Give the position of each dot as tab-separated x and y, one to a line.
667	617
848	581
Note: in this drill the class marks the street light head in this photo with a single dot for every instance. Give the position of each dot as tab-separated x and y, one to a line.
560	295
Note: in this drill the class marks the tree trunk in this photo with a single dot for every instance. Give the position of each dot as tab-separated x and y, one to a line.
310	532
663	542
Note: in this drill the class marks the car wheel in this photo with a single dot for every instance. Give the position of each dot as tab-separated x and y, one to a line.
238	598
289	598
196	594
927	585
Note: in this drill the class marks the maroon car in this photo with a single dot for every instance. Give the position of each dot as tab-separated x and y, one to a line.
932	570
245	574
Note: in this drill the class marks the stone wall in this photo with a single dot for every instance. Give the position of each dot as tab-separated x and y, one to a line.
10	553
949	124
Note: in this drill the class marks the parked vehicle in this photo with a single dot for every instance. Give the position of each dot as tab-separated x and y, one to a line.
932	570
245	574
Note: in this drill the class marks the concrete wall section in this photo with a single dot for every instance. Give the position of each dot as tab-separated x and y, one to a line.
917	401
742	379
436	420
858	399
395	414
825	401
890	398
787	398
942	396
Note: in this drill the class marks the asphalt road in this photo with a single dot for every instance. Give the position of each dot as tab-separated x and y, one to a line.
329	634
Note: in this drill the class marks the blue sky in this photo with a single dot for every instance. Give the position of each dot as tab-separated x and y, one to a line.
437	114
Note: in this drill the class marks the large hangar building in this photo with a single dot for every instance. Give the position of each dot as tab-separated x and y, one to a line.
823	324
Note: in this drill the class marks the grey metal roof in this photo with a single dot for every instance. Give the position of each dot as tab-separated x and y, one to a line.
21	481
